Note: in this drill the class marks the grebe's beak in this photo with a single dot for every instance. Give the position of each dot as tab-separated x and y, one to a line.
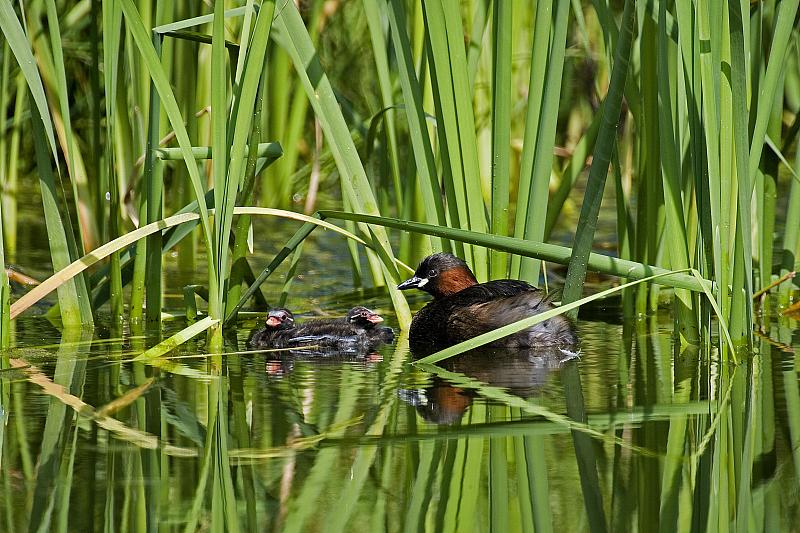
374	318
273	321
413	283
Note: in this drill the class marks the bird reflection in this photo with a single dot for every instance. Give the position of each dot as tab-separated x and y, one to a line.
281	363
523	373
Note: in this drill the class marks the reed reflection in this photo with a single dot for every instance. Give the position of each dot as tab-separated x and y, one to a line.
523	373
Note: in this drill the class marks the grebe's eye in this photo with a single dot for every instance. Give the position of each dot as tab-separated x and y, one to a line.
433	272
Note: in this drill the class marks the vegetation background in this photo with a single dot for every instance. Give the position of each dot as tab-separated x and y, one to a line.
473	126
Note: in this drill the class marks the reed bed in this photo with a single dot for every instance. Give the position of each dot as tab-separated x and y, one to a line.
483	128
696	152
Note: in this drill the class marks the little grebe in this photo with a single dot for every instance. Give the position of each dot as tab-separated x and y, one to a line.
462	308
278	328
357	331
366	322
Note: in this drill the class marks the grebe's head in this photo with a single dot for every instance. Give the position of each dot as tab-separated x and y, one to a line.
440	275
361	316
278	319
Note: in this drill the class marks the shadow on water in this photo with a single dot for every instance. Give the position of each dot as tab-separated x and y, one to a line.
637	435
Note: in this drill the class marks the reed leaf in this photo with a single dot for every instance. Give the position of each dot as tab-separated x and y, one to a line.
537	166
161	83
601	157
536	90
184	335
501	128
548	252
73	297
415	116
295	39
20	47
742	290
75	268
5	298
456	121
223	182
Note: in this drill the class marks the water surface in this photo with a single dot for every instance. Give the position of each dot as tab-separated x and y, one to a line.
637	435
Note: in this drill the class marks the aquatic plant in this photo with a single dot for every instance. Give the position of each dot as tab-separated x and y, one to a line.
688	185
417	126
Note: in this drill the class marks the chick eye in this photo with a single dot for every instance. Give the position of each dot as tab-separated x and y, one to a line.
432	273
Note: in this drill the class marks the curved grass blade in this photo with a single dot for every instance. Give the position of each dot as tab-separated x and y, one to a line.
176	340
75	268
720	316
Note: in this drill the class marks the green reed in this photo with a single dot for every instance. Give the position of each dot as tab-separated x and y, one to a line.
450	134
700	96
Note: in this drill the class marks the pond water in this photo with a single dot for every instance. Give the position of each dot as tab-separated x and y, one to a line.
637	435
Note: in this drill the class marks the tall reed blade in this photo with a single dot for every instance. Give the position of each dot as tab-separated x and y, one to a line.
5	295
220	153
247	91
112	46
501	128
73	296
415	115
742	288
150	57
20	47
538	65
537	166
668	141
155	209
294	37
606	138
456	122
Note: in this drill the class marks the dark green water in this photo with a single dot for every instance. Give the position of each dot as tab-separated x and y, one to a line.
93	441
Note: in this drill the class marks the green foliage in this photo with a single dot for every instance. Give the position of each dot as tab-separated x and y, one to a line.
489	129
428	141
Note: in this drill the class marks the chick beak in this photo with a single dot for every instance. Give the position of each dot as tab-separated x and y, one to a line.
412	283
273	321
374	318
